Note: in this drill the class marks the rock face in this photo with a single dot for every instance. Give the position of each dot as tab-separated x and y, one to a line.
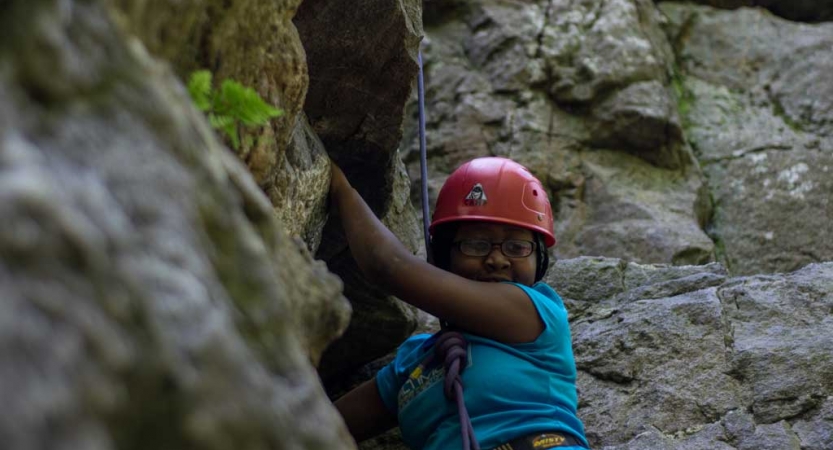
760	119
151	299
582	94
675	134
684	357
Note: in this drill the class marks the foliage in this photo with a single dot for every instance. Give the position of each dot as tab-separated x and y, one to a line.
231	106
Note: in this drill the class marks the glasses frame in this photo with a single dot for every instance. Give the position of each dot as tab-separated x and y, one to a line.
459	246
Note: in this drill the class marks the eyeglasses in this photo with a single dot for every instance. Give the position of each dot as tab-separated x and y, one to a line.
512	248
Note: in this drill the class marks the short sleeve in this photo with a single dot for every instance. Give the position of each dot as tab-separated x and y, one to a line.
391	377
551	309
388	385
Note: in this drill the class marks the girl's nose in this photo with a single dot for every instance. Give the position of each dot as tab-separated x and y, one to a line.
496	259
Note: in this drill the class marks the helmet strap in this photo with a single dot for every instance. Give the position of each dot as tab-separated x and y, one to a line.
542	256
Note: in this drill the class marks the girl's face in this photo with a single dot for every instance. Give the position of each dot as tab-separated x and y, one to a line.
494	266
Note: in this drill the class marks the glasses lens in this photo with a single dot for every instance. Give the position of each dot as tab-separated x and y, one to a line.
512	248
471	247
516	248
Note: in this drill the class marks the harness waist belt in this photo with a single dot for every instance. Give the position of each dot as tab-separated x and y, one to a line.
541	441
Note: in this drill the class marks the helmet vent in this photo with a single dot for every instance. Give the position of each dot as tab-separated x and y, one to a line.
535	192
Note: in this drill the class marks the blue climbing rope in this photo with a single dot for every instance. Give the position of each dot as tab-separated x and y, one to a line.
451	346
423	158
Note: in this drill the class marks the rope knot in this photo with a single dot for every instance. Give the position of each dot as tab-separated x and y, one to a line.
452	349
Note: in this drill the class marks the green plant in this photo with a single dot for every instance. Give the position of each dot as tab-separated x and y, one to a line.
230	106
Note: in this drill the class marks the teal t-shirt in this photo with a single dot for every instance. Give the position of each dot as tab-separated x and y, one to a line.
510	390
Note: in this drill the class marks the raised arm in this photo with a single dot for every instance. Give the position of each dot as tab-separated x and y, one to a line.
495	310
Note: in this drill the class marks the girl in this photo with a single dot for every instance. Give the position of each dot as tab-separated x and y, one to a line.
508	340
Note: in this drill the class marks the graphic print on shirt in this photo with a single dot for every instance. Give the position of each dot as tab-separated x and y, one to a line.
421	379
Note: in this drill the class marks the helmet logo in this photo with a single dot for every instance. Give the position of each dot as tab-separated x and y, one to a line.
476	196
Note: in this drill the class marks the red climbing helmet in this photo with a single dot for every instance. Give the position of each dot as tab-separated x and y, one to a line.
495	190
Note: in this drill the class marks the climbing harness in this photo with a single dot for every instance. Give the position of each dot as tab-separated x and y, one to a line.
450	347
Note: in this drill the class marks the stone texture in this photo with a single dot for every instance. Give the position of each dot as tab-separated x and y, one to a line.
562	86
569	89
380	322
757	117
359	84
774	206
650	356
287	162
300	187
151	299
642	118
686	358
781	340
590	47
635	211
817	433
733	49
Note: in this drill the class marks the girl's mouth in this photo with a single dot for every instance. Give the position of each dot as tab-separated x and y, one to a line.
493	279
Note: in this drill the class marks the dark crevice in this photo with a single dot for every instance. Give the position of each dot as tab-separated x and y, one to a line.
540	36
728	335
505	45
819	13
611	377
778	111
684	32
809	404
622	268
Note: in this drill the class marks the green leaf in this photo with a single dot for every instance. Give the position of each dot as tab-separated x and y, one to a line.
226	125
231	106
231	131
245	104
219	121
199	87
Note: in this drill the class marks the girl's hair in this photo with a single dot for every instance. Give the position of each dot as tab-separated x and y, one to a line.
443	238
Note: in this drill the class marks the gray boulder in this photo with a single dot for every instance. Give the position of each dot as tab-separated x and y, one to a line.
686	358
150	296
758	118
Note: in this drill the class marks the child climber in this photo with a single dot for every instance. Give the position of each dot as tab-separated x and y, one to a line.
502	374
